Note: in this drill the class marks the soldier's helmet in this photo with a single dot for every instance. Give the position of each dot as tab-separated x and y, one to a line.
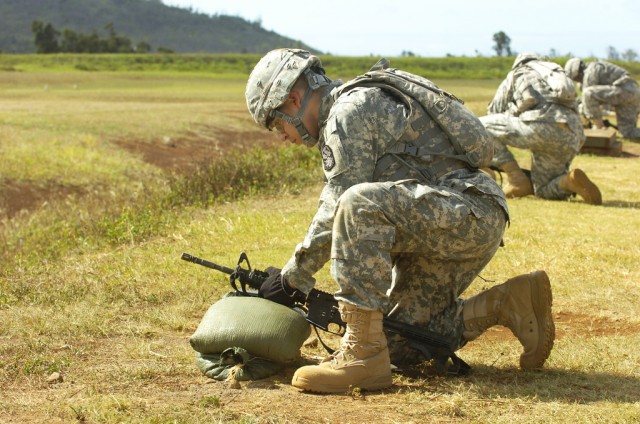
523	58
273	78
572	68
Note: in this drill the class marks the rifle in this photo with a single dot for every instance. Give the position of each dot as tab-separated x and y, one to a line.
321	307
322	312
252	278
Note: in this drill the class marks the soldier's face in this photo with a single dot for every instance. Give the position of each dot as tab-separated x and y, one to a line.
287	131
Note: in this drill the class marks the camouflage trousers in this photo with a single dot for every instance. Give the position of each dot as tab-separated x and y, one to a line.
625	100
553	147
410	250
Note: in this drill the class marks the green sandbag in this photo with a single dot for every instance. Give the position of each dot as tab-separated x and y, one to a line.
263	328
219	366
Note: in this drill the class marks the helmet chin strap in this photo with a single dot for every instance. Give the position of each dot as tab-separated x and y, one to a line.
296	121
314	81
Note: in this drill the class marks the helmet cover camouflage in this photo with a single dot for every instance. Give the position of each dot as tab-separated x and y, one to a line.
273	78
572	68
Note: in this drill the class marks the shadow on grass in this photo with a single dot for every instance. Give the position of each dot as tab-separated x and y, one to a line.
555	385
547	385
621	204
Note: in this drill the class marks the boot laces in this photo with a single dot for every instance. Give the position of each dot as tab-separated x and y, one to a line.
351	338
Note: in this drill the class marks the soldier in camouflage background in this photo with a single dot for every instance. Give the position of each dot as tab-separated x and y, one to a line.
400	243
606	84
524	113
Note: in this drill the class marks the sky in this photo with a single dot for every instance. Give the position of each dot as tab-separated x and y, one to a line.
428	28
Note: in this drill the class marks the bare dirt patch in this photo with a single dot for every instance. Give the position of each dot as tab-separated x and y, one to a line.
16	196
199	144
181	155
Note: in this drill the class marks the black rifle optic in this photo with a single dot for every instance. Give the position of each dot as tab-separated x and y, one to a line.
322	312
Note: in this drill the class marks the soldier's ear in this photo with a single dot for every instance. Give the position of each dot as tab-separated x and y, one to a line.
295	98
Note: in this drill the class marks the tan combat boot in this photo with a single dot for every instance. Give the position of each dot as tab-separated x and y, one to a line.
578	182
523	304
519	185
362	360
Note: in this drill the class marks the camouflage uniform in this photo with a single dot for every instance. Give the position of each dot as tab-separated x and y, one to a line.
523	114
607	84
398	243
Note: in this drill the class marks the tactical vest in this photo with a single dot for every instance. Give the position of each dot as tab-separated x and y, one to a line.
442	135
562	89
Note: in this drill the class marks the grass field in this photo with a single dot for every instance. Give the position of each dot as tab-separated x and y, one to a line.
96	211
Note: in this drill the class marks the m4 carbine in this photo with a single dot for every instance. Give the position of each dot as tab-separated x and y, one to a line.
321	311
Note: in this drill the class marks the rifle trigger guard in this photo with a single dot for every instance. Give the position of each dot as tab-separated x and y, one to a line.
232	280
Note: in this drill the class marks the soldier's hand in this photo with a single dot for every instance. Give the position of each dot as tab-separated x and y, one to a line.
276	289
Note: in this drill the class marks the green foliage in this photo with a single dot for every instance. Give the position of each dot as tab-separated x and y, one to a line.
240	65
259	171
133	223
43	365
210	402
236	65
432	68
502	44
46	41
45	37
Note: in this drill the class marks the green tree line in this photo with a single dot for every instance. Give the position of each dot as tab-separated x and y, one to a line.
49	40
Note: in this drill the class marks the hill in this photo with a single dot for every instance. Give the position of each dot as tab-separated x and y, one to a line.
151	21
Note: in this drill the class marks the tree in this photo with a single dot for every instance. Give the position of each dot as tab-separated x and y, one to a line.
143	47
629	55
70	41
45	37
116	43
612	53
502	44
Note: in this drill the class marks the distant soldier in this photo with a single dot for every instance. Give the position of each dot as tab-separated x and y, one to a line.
535	108
606	84
404	217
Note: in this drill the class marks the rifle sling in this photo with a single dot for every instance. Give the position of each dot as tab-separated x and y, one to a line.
326	347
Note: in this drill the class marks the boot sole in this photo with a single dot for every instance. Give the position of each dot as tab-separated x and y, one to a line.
585	188
373	384
542	300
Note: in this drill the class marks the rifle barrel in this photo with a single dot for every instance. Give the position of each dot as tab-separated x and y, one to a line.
208	264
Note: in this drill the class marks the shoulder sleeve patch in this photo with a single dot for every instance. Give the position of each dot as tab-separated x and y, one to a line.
334	160
328	160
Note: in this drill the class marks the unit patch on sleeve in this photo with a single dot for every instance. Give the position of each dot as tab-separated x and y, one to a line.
328	161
